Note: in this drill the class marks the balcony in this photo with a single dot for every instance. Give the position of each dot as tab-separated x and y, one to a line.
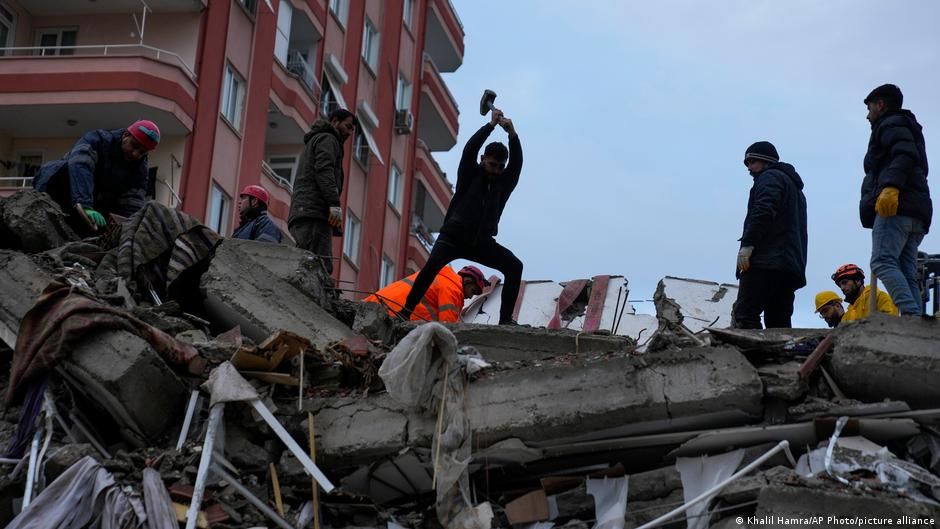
72	8
102	86
432	176
443	38
295	96
437	123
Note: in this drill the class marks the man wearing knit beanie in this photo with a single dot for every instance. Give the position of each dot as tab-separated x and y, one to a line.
895	201
772	259
105	172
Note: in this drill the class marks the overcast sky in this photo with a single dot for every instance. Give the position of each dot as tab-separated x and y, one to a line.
634	117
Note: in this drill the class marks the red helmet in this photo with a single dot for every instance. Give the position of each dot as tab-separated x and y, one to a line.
474	273
848	271
256	191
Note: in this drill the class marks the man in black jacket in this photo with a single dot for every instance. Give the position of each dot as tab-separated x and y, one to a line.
472	219
895	201
772	258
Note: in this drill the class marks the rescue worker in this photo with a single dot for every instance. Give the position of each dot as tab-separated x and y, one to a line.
105	172
771	263
895	201
443	300
829	307
472	219
254	222
315	212
851	280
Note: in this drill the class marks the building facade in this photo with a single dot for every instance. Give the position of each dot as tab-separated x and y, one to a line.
234	85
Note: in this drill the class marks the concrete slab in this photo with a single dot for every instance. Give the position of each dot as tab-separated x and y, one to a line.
701	303
264	287
507	344
887	357
121	373
558	400
32	222
21	281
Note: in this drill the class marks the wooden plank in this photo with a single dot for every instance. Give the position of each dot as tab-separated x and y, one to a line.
811	363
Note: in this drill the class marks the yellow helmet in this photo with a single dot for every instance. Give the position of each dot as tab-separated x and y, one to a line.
826	296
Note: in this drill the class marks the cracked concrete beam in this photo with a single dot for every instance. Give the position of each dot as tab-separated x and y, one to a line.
21	281
507	344
557	402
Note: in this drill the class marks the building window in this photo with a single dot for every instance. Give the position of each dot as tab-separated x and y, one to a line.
409	15
283	167
351	238
370	46
233	97
250	5
219	207
395	188
403	93
6	28
361	151
53	40
328	102
285	15
387	274
340	10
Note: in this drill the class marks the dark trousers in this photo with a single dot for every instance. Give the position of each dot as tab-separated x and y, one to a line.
487	252
766	291
314	236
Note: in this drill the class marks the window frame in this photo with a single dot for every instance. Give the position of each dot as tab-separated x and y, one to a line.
396	185
231	74
218	220
10	25
370	45
403	93
386	271
361	145
408	14
340	11
352	235
59	32
283	165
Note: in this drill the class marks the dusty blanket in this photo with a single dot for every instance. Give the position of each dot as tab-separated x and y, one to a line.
148	235
61	317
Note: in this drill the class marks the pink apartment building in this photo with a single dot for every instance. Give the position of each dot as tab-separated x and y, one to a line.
234	85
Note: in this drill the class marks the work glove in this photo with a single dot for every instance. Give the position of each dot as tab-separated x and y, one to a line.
744	258
887	203
98	218
336	216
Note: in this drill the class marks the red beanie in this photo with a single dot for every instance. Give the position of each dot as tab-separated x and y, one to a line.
146	133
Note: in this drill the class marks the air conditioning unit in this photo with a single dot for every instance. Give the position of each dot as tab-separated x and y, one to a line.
404	121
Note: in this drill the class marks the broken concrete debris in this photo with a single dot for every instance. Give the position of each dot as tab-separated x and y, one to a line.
586	417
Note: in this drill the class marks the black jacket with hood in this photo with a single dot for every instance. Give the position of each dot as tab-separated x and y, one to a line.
775	224
479	200
319	180
896	157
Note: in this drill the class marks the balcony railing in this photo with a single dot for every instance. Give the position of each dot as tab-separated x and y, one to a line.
422	234
297	65
111	50
16	182
276	178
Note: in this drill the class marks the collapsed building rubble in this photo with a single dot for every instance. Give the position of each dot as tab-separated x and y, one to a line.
560	424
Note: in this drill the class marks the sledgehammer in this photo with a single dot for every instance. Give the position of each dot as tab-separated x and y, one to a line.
486	102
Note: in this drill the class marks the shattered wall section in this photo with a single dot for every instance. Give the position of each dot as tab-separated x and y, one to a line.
694	303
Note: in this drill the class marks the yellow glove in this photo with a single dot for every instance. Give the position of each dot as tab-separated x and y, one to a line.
887	203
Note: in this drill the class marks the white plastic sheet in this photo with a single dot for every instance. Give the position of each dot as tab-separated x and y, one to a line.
699	474
610	501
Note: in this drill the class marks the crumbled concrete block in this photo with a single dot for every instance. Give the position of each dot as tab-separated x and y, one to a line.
32	222
887	357
508	344
21	281
783	381
265	287
121	373
562	400
373	322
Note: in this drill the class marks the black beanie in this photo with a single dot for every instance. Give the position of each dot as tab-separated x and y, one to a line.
888	93
762	150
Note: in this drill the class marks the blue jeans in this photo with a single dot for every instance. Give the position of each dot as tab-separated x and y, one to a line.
894	242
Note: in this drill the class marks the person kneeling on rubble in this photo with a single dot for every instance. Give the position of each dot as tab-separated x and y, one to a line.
105	172
851	280
255	224
829	307
443	300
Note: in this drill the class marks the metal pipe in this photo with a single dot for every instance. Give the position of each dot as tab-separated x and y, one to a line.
252	499
31	469
292	445
188	421
782	445
215	417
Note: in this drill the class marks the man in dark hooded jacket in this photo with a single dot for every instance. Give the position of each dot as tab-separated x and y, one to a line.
772	259
315	212
254	222
472	220
895	201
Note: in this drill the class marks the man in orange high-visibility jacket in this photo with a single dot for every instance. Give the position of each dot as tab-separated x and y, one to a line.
444	299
